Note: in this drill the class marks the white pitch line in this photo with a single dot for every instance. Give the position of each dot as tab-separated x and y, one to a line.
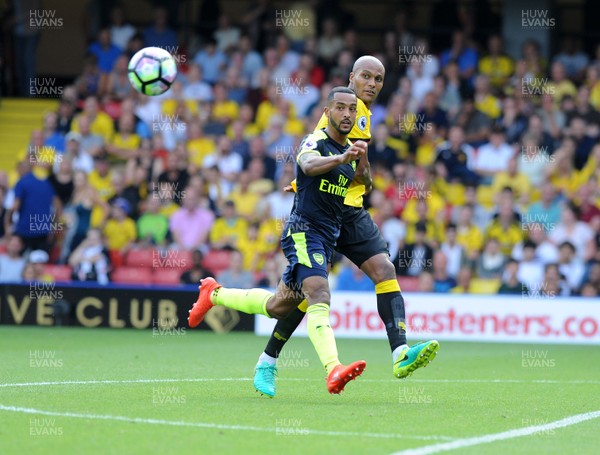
505	381
179	423
173	380
510	434
118	381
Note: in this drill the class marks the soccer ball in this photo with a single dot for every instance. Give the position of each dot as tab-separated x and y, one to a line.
152	70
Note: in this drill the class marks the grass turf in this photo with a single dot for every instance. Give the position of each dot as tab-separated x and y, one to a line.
377	414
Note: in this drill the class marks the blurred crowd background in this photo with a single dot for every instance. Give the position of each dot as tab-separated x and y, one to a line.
486	167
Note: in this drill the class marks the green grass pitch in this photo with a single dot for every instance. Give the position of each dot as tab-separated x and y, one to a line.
113	391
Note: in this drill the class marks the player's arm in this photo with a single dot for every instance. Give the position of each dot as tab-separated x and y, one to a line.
312	163
363	174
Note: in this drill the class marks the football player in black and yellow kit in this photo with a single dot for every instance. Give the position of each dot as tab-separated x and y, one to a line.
326	166
362	243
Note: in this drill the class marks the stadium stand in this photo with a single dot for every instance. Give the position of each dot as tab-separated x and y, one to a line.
460	127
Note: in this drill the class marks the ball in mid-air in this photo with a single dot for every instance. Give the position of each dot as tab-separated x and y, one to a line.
152	70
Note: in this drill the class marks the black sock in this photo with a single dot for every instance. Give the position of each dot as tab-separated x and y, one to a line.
391	310
283	331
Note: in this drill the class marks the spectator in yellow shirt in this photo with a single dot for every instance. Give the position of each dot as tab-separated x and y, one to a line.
426	218
428	146
100	178
534	64
514	180
593	84
249	129
467	233
100	122
497	66
225	110
293	126
561	171
245	200
506	228
267	108
120	230
198	145
423	203
229	228
253	249
559	85
484	100
125	143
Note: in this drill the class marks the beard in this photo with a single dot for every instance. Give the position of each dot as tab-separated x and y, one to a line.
338	127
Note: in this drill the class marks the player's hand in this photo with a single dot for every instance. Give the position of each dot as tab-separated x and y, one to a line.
288	189
354	152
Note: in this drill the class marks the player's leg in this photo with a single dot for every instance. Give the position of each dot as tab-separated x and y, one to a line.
251	301
362	243
316	290
282	332
266	366
295	247
390	305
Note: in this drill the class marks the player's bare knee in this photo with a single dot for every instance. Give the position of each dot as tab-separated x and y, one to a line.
379	268
319	295
276	309
387	270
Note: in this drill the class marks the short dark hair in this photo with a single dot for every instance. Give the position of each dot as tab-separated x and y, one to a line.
339	89
421	226
567	244
573	208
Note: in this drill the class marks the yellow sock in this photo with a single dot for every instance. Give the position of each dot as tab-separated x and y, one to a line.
321	335
251	301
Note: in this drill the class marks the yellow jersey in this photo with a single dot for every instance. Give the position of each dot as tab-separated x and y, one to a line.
119	234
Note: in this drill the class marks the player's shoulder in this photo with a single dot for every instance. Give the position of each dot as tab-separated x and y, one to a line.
363	121
361	107
313	140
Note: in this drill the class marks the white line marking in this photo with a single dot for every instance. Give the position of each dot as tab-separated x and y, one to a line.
486	439
504	381
433	381
117	381
179	423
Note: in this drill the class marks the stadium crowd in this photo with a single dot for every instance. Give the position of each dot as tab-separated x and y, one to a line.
486	170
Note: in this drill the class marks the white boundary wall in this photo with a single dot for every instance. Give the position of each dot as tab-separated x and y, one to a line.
490	318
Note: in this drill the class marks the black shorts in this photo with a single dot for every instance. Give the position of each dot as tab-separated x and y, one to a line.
360	238
308	253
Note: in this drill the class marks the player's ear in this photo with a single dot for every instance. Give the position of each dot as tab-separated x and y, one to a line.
326	111
351	77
